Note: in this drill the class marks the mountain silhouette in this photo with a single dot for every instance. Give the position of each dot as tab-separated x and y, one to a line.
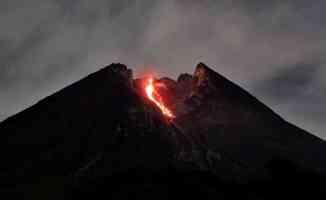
103	136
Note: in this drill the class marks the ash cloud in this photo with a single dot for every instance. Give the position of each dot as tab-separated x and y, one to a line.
272	48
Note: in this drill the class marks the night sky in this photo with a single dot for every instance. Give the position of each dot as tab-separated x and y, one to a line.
274	49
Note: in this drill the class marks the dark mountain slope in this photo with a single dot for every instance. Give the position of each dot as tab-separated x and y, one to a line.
230	119
101	135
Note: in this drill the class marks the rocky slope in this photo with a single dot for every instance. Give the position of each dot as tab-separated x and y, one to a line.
101	135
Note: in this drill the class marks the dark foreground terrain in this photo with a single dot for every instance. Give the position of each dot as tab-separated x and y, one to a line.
101	138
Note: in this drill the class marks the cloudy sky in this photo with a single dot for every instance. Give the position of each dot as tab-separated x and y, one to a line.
274	49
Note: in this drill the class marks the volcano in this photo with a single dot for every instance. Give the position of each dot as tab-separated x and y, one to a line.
115	136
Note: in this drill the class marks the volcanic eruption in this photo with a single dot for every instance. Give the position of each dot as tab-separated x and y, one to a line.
155	97
107	135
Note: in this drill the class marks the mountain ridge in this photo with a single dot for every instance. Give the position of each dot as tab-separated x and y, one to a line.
105	126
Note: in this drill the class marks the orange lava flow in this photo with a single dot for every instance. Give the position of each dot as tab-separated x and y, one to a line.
153	95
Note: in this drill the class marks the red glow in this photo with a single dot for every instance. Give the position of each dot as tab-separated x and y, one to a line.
153	95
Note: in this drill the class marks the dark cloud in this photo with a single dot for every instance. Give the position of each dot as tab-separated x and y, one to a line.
273	48
289	82
298	93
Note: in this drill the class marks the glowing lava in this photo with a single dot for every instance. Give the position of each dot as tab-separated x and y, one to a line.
153	95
